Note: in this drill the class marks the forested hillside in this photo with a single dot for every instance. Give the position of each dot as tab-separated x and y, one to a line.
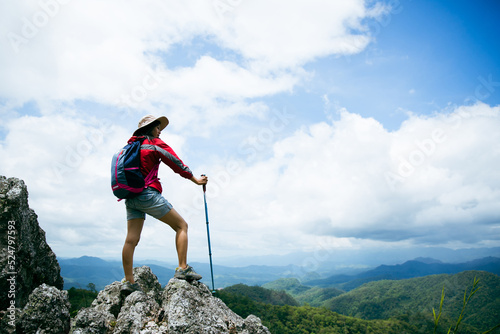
262	295
306	319
406	298
313	296
403	306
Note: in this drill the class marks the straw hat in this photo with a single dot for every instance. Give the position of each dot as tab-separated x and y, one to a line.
146	120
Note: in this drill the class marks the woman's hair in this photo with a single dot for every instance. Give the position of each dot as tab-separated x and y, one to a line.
146	131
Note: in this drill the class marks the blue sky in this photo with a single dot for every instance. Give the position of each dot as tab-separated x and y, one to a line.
322	125
426	55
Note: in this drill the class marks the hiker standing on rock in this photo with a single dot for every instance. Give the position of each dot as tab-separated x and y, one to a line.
151	202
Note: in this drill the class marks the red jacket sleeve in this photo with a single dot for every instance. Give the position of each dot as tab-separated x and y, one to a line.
168	156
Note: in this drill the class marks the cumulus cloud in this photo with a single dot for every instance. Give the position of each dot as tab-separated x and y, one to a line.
274	34
67	50
428	182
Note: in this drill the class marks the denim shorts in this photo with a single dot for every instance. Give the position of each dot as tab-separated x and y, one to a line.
149	201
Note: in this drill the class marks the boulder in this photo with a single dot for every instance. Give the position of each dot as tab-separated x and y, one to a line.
47	312
190	308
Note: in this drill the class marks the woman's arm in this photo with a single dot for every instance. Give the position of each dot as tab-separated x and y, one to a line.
168	156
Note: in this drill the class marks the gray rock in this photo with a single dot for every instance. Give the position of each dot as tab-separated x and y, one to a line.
25	256
93	321
47	312
148	282
109	300
114	310
183	307
8	322
253	325
30	276
190	308
138	309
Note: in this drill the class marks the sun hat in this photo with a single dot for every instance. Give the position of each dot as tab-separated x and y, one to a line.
148	119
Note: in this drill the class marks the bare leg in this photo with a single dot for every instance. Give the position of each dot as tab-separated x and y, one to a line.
134	229
179	225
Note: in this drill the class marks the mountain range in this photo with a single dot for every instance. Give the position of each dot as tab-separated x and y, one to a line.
326	260
415	268
79	272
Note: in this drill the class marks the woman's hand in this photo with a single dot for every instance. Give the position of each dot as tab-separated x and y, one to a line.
200	180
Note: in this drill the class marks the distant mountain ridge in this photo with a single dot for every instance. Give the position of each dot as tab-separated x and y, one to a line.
363	257
86	261
79	272
409	269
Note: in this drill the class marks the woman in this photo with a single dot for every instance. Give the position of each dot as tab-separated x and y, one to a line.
150	201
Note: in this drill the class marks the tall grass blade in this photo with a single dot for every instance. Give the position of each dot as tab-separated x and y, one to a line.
475	288
491	330
436	319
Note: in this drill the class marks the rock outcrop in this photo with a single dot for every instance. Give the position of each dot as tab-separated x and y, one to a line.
26	260
181	307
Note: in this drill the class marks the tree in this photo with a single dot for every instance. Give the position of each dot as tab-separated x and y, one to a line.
91	287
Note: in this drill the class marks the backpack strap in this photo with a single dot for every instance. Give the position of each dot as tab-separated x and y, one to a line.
153	173
152	176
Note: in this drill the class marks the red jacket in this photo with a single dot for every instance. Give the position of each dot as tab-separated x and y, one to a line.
153	151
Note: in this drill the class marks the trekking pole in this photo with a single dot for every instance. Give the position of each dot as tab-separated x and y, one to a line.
208	236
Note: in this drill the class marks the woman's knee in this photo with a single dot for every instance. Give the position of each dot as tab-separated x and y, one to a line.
184	226
175	221
132	241
134	232
180	226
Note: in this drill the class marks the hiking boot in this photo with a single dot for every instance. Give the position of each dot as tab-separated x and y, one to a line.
187	274
127	288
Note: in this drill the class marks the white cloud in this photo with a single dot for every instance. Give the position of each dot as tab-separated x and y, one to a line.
212	93
282	34
100	51
344	179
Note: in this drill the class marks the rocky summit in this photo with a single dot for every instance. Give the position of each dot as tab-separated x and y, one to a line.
32	299
181	307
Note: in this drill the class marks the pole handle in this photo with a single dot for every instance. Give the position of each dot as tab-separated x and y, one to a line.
204	186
